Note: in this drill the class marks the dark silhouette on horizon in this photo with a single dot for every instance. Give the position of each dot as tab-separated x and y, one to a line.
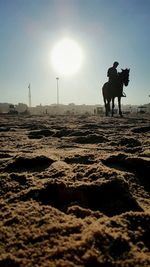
114	88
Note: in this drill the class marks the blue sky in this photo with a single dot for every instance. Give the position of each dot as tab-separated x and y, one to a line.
107	30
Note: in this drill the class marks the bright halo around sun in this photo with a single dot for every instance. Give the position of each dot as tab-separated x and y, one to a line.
66	57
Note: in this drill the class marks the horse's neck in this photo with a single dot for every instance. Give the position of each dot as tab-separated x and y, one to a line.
121	79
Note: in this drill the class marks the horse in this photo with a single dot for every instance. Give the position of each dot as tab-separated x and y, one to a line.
112	90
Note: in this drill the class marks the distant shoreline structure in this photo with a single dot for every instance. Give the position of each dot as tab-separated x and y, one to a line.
70	109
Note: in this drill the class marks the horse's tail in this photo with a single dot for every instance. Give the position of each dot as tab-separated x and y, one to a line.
106	97
104	92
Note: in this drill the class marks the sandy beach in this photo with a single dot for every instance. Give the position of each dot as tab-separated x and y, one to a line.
74	191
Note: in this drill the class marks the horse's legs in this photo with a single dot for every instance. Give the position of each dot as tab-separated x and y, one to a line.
105	102
108	107
113	105
119	106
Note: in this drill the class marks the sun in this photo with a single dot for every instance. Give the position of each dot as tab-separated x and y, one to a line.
66	57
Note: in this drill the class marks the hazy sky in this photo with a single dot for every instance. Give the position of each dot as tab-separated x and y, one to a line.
106	30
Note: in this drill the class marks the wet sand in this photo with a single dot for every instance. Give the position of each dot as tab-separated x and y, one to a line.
74	191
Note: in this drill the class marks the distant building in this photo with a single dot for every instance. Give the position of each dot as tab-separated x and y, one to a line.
13	109
70	109
4	107
144	109
21	108
147	107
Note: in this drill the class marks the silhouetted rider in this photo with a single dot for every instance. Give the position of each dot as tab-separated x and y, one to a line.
112	73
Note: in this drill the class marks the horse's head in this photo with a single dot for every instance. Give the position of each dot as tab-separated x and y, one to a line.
124	75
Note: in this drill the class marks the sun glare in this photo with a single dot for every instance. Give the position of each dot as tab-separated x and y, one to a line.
66	57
